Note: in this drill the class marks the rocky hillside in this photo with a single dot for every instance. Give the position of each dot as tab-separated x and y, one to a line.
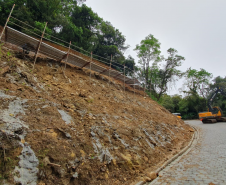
61	127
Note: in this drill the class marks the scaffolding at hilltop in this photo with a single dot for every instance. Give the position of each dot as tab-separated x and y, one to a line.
41	44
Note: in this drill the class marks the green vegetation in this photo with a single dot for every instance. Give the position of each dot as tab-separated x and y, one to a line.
8	161
8	53
157	73
72	20
69	20
196	96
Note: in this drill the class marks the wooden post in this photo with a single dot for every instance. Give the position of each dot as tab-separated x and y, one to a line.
6	35
67	55
124	78
36	53
144	90
144	79
133	81
7	22
110	70
90	65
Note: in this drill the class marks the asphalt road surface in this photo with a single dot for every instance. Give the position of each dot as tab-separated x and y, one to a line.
204	163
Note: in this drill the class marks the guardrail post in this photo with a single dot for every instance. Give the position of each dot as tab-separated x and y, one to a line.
36	53
67	55
7	21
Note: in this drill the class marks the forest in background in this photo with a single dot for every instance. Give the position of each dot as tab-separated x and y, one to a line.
72	20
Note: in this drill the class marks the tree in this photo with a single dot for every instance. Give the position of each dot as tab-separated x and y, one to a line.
147	51
168	72
218	82
6	6
98	36
197	81
218	100
183	107
110	41
85	19
167	102
31	11
130	66
191	105
69	20
176	99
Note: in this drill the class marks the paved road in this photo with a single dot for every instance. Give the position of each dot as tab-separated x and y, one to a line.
205	163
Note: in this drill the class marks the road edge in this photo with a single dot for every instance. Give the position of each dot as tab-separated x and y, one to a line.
191	144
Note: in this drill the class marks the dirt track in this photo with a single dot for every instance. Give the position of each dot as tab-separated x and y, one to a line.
73	130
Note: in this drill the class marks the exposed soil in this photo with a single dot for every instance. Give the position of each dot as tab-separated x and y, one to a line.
66	128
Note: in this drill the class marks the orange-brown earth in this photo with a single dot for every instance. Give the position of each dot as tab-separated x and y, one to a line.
61	127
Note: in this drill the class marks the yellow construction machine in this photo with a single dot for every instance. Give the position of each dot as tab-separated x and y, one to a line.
214	114
178	115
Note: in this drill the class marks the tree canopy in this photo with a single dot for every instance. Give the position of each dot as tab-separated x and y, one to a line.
69	20
157	78
147	51
169	72
197	80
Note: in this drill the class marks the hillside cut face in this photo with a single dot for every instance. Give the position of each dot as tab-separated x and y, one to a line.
63	127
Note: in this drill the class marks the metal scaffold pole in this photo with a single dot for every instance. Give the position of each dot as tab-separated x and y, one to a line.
36	54
67	55
7	22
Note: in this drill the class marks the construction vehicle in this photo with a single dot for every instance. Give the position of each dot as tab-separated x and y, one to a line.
214	114
177	114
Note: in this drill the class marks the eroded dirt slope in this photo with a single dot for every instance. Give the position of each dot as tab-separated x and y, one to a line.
63	128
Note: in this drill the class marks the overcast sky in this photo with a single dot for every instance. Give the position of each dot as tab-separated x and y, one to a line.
196	28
